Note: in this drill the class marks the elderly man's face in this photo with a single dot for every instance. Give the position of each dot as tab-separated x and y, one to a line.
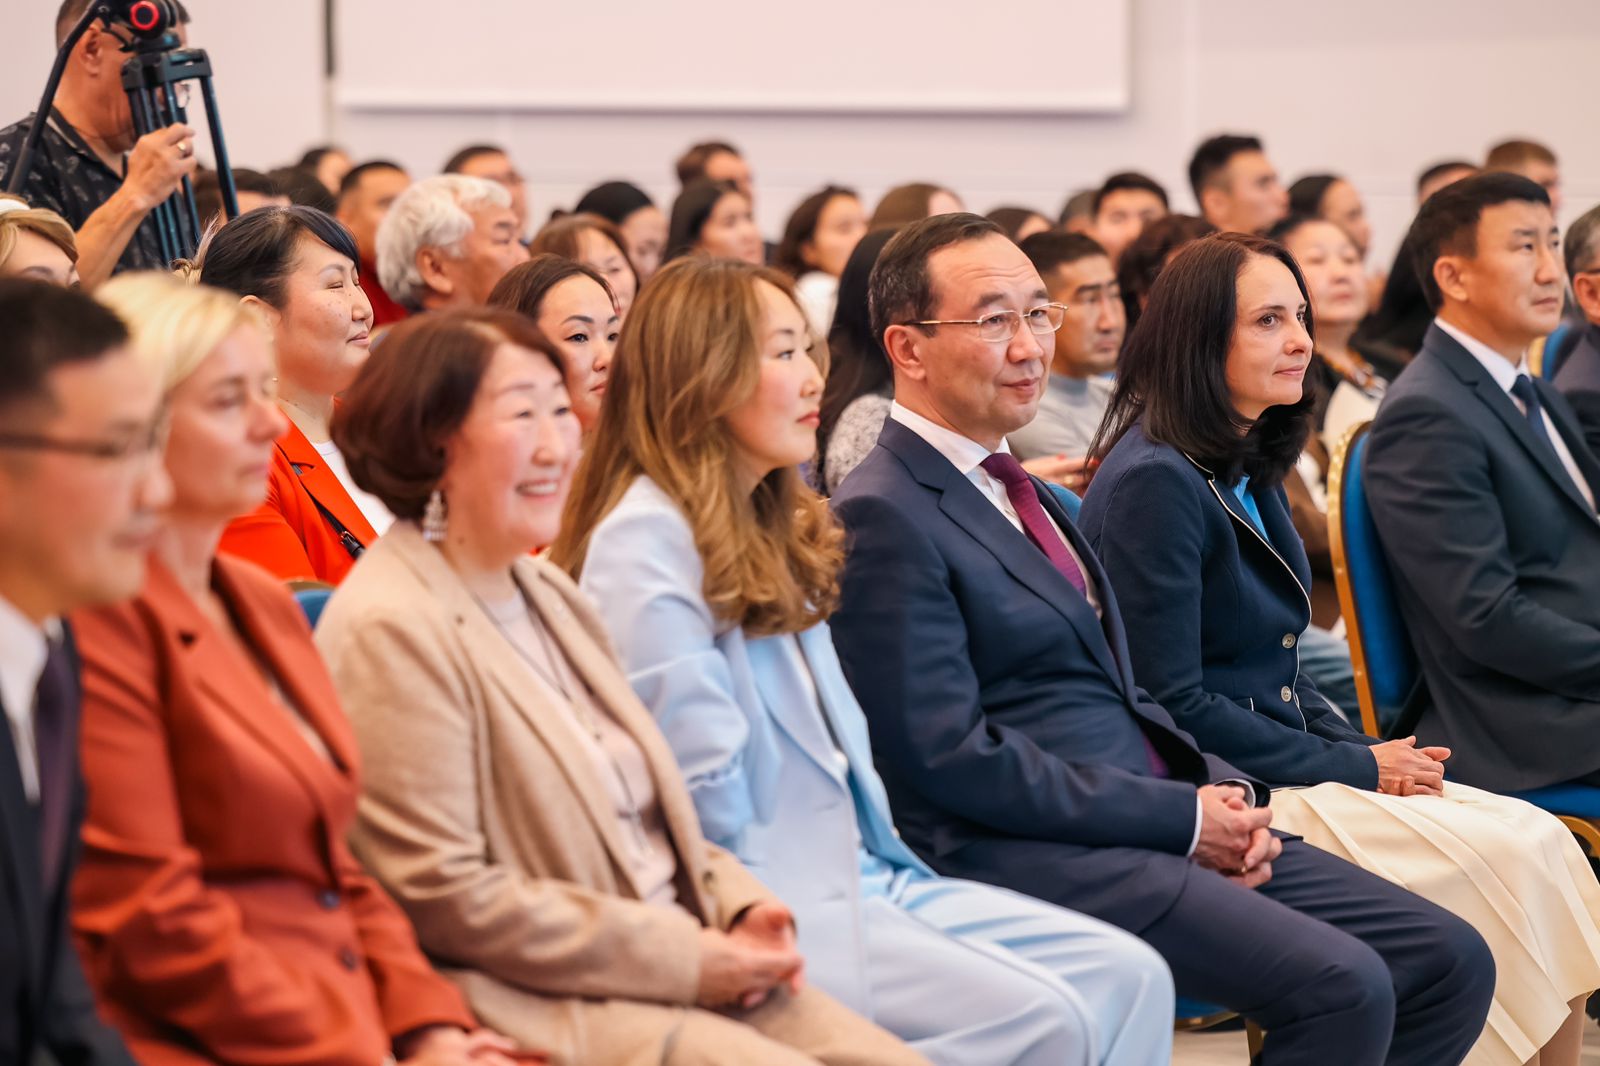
487	253
982	389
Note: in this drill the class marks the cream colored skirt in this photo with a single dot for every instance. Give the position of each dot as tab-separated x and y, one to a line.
1511	870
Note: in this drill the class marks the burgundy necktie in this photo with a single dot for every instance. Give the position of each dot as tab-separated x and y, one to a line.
52	715
1035	523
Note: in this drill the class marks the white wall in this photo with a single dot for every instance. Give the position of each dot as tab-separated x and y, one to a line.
1376	89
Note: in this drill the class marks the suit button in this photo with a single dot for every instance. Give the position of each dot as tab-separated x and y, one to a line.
348	959
329	899
1288	640
1286	693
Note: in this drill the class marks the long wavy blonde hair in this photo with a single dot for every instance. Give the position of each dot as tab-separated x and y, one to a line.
689	354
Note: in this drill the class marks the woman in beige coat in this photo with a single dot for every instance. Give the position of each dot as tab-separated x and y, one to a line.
520	803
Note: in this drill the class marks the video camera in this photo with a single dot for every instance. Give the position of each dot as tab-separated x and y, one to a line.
158	63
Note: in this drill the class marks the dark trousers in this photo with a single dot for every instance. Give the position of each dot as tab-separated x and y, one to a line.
1338	965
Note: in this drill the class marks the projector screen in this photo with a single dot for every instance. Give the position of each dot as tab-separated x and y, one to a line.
939	56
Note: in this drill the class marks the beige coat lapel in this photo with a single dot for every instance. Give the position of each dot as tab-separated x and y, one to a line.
591	661
502	667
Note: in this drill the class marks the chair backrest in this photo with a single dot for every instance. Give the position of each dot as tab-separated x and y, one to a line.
1069	500
1381	652
1554	348
312	596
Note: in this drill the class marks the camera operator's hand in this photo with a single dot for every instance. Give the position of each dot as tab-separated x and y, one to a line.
157	166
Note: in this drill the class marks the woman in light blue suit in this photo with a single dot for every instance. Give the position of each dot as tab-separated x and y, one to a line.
714	570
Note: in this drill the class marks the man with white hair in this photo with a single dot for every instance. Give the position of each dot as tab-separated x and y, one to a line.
446	242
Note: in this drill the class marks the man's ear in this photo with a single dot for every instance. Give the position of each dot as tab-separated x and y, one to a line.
1449	272
431	265
96	48
1214	202
904	345
1586	290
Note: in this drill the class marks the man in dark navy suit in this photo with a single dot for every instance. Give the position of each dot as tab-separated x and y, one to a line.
81	485
984	643
1483	492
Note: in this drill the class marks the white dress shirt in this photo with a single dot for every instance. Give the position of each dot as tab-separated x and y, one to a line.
23	650
1505	375
372	509
967	456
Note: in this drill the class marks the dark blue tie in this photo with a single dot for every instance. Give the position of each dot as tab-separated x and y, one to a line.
1523	390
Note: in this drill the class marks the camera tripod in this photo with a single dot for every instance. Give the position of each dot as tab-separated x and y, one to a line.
151	78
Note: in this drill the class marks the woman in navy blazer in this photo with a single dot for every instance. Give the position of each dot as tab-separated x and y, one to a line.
714	569
1188	515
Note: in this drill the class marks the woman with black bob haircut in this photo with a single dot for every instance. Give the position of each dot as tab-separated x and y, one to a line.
1188	515
299	267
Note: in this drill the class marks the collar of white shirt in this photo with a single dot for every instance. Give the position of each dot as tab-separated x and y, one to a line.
23	649
964	453
1504	374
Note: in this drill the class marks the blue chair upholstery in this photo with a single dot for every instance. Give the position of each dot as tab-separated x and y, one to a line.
1555	347
1068	500
1380	647
312	596
1580	801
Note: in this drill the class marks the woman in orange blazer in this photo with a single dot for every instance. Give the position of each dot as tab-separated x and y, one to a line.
219	913
298	266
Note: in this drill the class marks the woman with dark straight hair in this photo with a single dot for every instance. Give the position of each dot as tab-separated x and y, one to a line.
300	268
817	242
1143	260
860	386
576	310
637	218
714	218
596	242
1188	515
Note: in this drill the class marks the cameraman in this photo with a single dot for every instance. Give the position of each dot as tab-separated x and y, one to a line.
88	166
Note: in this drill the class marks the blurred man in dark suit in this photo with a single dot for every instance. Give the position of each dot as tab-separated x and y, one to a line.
81	487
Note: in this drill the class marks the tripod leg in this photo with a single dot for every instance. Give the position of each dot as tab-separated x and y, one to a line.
219	147
145	118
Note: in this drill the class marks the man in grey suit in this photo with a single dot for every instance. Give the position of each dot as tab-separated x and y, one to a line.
1578	375
1483	492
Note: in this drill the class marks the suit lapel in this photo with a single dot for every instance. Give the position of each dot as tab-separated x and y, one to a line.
1501	406
966	506
299	671
232	681
613	695
323	485
1278	527
775	662
22	867
1571	435
494	655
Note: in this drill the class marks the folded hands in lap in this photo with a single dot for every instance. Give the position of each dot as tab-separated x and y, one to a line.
742	966
1234	839
1407	770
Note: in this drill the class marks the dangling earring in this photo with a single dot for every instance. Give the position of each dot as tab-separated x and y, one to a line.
435	519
